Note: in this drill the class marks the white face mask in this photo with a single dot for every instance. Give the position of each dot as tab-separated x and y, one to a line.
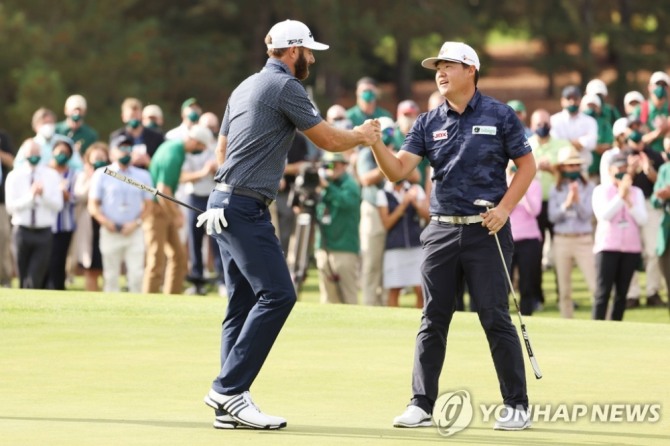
47	130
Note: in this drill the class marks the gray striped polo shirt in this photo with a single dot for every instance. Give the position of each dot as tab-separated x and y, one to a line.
260	122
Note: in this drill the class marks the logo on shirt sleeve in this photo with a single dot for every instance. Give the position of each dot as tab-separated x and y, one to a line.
484	130
440	135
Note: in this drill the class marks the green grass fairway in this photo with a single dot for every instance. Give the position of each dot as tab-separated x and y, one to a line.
119	369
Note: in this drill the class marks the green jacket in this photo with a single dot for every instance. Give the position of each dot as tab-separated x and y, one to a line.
84	135
339	214
662	180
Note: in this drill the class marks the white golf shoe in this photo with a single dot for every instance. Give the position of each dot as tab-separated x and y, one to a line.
413	416
513	420
240	408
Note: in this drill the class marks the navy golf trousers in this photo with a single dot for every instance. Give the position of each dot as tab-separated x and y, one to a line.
260	290
452	252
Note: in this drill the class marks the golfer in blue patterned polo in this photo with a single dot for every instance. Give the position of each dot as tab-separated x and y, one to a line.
257	130
469	141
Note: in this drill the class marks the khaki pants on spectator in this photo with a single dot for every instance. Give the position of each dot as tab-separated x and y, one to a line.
6	262
567	251
344	265
162	241
651	267
373	239
116	249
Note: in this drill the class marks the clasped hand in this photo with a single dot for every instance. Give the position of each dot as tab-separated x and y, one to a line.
215	220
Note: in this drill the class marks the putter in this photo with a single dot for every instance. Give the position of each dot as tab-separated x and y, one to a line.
533	362
144	187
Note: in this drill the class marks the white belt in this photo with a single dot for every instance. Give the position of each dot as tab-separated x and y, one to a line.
457	220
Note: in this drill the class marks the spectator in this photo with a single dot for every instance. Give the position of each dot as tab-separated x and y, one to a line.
581	130
120	208
632	101
337	242
366	106
162	222
87	235
661	200
190	114
435	100
653	113
620	210
520	110
145	140
152	118
401	207
527	257
407	113
571	212
591	105
65	223
6	162
608	112
74	126
33	199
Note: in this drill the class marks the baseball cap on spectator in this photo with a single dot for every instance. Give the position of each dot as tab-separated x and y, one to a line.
293	33
201	134
331	157
152	110
618	160
408	107
633	96
453	52
620	126
659	76
122	140
188	102
75	101
596	86
571	91
591	99
569	155
517	105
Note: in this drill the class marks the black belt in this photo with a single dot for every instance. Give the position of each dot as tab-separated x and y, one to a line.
243	192
31	229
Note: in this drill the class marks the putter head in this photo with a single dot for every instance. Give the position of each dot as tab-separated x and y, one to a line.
483	203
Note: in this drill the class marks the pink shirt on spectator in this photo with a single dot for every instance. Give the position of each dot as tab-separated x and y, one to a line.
618	227
524	216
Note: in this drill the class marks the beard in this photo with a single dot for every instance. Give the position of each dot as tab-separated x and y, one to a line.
301	66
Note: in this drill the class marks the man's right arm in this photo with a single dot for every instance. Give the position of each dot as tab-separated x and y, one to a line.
394	165
221	149
333	139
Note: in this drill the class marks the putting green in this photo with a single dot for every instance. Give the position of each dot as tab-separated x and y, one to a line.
82	368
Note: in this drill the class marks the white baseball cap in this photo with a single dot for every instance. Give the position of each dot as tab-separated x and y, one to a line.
659	76
633	96
620	126
453	52
201	134
293	33
152	110
596	86
591	99
75	101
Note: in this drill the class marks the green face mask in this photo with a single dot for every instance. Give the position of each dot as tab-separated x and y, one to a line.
99	164
619	175
34	159
572	108
660	92
133	123
152	125
124	160
571	175
193	116
635	136
590	112
76	117
196	152
61	159
368	96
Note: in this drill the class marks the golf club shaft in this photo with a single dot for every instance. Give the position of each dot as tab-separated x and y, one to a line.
144	187
524	333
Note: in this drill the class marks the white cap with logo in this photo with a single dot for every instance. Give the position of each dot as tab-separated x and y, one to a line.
633	96
659	76
453	52
293	33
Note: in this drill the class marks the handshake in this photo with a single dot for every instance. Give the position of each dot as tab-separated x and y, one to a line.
370	132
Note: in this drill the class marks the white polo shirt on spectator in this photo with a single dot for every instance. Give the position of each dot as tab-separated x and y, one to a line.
580	127
33	211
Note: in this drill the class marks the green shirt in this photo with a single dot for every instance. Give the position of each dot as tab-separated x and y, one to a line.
548	150
340	204
654	112
165	165
605	136
358	117
398	139
84	136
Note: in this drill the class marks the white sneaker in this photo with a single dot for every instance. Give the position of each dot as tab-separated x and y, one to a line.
223	420
242	409
413	416
513	420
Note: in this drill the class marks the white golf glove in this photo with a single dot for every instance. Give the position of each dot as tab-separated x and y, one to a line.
214	218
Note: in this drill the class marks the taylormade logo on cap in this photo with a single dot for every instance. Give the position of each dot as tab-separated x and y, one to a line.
293	33
453	52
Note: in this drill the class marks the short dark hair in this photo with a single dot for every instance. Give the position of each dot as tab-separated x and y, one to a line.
275	52
476	72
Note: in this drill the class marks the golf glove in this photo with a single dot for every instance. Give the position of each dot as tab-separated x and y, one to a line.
215	219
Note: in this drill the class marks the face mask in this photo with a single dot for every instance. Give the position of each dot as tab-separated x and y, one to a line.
543	130
193	116
34	159
124	160
619	176
133	123
76	117
660	91
47	130
61	159
196	152
635	136
368	96
152	125
99	164
572	109
406	122
387	136
590	112
571	175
